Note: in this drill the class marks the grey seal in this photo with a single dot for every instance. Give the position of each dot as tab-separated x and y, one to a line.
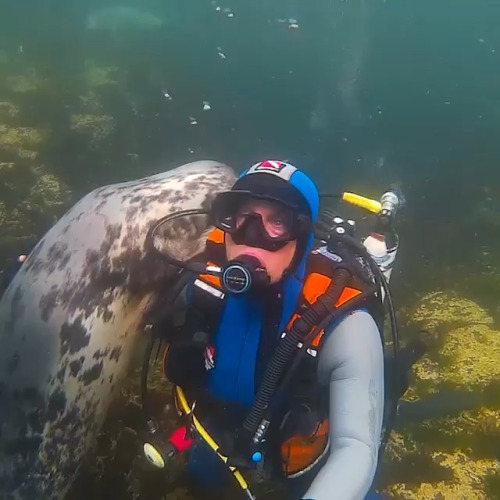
70	319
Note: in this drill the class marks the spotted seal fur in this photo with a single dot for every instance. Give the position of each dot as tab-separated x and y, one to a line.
69	319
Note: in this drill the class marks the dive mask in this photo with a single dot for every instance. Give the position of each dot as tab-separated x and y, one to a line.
258	221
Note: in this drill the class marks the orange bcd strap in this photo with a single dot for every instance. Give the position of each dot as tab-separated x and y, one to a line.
210	278
216	236
316	284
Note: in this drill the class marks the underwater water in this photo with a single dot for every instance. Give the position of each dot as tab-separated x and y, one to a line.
361	94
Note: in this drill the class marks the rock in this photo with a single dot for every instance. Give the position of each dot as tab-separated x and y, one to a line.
441	309
29	81
8	111
21	141
99	76
95	127
451	450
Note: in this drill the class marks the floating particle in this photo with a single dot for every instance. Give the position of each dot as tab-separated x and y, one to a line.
281	20
231	14
20	49
206	106
481	40
293	26
191	150
447	102
218	9
193	121
167	95
221	54
345	139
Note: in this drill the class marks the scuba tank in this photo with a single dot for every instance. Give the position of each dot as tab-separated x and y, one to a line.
383	243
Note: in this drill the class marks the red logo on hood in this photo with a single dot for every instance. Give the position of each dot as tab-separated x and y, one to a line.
275	166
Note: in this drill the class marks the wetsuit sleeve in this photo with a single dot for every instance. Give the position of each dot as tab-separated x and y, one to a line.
351	362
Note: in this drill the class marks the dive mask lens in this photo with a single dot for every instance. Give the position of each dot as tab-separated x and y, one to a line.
237	212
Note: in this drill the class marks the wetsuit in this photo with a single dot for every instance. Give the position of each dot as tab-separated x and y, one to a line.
351	363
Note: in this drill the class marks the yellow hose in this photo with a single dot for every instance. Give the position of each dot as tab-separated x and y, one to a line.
209	440
361	201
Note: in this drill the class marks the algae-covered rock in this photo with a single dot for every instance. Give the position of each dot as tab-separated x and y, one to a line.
465	480
99	76
8	110
32	200
91	103
21	141
451	449
48	193
443	309
29	81
95	127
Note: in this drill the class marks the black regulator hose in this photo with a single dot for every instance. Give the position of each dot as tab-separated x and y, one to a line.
288	347
158	317
321	326
196	267
146	403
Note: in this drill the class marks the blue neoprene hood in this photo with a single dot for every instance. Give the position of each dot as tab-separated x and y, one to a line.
238	336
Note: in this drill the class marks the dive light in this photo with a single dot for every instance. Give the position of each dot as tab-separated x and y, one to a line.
363	202
390	202
159	452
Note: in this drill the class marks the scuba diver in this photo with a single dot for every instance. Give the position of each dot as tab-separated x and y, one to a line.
275	345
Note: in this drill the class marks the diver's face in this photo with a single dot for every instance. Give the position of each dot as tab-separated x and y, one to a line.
275	224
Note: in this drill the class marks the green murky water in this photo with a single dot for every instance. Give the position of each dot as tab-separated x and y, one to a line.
361	94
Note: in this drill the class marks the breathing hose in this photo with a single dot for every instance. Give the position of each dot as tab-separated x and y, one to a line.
321	326
196	267
288	346
156	317
183	403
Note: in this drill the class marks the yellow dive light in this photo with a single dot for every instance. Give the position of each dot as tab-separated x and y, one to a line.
153	455
363	202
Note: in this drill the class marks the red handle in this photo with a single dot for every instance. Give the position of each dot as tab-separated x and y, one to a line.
181	439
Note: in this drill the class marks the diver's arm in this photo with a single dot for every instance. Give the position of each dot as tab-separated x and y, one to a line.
352	361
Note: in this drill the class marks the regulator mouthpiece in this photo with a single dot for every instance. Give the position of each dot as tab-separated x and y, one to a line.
243	274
